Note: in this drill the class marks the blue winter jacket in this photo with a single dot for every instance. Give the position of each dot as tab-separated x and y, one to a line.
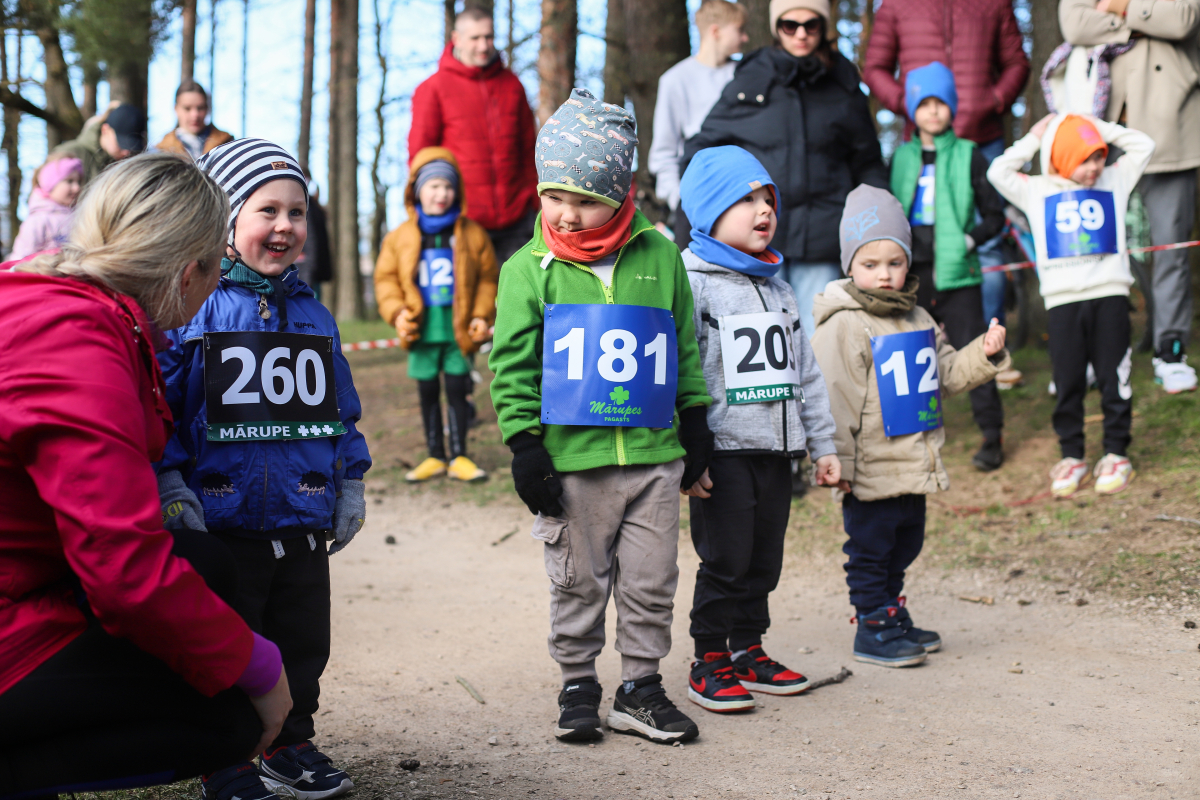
267	498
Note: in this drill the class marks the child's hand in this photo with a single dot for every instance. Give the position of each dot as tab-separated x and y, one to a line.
1039	128
844	487
406	327
478	330
829	470
699	487
993	340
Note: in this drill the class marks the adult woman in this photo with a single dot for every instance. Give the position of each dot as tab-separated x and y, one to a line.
195	135
118	665
798	108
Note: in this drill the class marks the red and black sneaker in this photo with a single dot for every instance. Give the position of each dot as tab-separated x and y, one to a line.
758	672
712	685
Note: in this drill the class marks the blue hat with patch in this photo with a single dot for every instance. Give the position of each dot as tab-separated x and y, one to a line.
932	80
587	147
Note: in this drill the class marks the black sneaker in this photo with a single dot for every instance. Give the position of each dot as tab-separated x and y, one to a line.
881	640
303	772
758	672
579	711
990	456
713	685
930	640
240	782
642	708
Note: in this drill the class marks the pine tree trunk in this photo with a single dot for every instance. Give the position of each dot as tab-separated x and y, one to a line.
616	55
1046	37
60	101
333	201
449	13
91	80
379	215
10	143
758	24
556	56
306	83
349	301
189	41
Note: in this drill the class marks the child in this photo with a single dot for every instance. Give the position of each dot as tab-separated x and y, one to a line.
941	181
1076	209
776	413
261	364
600	395
436	282
56	187
887	366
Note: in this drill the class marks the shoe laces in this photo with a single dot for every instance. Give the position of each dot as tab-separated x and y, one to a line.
1063	468
580	697
655	696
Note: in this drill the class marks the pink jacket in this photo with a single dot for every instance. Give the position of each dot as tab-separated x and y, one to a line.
45	228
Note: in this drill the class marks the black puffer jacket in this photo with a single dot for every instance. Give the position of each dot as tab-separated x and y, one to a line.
812	129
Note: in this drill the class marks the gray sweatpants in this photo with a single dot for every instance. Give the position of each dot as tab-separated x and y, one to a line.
1170	200
619	536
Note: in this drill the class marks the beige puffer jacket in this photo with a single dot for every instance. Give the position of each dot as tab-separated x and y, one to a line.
879	467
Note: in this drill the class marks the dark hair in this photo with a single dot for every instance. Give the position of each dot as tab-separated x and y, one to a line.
824	50
188	87
472	14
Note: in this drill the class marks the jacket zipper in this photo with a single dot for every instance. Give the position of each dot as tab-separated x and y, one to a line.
266	472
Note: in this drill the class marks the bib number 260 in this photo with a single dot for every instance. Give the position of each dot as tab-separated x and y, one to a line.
310	395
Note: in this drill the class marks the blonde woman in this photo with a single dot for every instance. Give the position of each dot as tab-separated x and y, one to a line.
118	665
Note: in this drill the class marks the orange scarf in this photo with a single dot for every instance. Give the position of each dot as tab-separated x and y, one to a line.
592	244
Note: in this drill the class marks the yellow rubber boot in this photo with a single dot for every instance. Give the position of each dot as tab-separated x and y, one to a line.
464	469
429	468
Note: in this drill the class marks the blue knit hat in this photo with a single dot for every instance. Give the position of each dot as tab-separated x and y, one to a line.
587	147
932	80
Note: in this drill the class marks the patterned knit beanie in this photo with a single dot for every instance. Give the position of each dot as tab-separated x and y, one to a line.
587	147
242	166
872	214
438	168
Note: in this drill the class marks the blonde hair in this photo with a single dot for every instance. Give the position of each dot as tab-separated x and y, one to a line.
719	12
137	226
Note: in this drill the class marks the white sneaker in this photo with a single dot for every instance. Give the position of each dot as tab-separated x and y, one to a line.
1174	376
1113	474
1009	379
1067	475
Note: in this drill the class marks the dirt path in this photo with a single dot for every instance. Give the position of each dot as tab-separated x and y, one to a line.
1045	700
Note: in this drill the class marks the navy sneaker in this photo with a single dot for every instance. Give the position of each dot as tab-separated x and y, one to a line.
712	685
642	708
303	772
881	640
240	782
579	711
930	640
758	672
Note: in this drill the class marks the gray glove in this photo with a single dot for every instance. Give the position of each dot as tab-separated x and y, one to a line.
348	513
180	506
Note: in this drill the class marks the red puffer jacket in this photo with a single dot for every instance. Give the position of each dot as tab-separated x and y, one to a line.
82	415
481	115
978	39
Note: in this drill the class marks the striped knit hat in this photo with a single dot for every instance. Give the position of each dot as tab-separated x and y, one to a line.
242	166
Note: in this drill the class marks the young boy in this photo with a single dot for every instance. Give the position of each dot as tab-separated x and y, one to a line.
599	394
769	406
888	366
941	181
1076	209
266	456
436	283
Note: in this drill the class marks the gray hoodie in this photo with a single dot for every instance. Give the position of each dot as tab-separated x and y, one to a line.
782	427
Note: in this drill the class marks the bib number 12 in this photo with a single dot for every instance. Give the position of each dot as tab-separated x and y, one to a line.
899	359
896	367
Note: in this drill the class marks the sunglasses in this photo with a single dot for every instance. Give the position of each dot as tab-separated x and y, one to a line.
812	27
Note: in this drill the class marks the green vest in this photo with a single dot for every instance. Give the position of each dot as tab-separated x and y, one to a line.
953	205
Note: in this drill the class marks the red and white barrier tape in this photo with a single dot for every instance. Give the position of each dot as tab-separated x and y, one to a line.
376	344
1016	265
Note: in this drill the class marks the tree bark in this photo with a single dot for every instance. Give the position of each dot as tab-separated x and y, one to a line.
449	13
616	55
306	83
379	215
91	80
349	300
60	101
556	56
758	23
657	35
188	45
1046	37
10	143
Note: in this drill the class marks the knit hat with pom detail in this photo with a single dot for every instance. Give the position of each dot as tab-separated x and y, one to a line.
243	166
587	147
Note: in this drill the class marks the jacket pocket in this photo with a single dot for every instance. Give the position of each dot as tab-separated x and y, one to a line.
560	566
219	479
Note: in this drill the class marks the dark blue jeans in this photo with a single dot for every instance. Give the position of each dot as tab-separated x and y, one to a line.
885	539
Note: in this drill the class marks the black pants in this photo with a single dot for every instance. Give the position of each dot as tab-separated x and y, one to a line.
1095	331
103	713
738	534
958	310
458	390
286	600
507	241
885	539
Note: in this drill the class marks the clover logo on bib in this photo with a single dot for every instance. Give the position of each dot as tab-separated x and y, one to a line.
619	396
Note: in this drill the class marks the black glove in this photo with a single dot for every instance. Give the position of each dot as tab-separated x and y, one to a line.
698	442
533	475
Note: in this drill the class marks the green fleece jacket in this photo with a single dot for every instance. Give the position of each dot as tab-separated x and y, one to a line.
649	272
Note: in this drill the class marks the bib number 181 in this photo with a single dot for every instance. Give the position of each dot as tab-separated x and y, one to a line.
613	354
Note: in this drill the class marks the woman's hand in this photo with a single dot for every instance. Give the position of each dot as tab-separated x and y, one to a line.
1039	127
993	340
272	708
829	470
700	487
478	330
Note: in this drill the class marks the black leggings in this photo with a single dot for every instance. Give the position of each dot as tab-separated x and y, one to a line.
458	389
101	713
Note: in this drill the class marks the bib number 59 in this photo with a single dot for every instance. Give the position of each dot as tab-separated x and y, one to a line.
618	360
279	384
1071	214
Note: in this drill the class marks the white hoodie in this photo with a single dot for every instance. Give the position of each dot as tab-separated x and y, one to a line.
1082	219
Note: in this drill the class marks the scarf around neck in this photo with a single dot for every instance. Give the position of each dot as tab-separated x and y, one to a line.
430	223
592	244
714	251
263	285
887	302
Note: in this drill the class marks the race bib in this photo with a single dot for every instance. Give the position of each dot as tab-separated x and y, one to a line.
435	276
1082	222
906	369
759	360
922	208
610	365
265	386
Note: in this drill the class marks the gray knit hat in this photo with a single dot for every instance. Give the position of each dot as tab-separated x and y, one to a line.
242	166
587	147
872	214
438	168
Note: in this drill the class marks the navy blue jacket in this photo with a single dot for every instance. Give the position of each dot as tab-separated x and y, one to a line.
263	488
